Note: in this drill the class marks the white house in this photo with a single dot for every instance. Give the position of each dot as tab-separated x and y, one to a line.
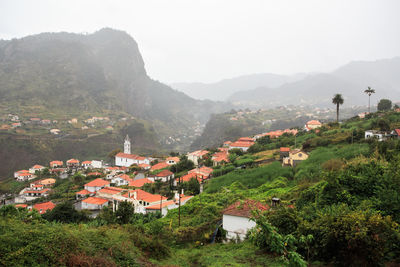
35	168
196	156
163	176
121	179
96	185
97	164
236	218
86	164
380	136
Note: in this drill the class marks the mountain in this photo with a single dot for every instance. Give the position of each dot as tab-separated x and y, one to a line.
72	74
317	89
221	90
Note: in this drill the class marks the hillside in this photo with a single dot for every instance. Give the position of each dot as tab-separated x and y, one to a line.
231	125
66	73
338	207
317	89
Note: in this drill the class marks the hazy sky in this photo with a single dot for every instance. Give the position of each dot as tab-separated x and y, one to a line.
209	40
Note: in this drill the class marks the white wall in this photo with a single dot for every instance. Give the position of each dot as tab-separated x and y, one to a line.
236	226
87	206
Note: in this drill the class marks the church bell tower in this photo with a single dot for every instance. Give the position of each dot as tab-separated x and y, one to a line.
127	145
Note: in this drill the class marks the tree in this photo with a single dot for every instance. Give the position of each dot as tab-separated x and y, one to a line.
124	212
369	92
65	213
384	105
337	100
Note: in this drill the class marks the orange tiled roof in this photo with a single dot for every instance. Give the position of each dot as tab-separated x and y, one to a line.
95	200
111	190
130	156
144	166
37	167
56	162
313	122
145	196
164	173
189	176
21	205
140	182
97	183
87	162
243	209
73	161
44	207
163	205
83	192
284	149
159	166
241	144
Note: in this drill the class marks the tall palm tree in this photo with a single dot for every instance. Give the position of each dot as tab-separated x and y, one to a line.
369	92
337	100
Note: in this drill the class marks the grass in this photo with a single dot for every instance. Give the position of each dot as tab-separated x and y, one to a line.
251	178
230	254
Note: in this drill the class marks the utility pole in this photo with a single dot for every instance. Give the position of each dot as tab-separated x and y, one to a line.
179	205
161	204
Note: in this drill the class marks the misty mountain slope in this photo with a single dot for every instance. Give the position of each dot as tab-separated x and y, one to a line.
350	80
223	89
72	73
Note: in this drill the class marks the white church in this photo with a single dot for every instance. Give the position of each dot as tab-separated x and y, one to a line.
126	159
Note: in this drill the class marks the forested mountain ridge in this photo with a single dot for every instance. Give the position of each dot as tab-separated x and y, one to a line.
72	73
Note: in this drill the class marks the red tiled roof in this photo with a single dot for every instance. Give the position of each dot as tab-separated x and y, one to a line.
241	144
37	191
164	173
189	176
313	122
176	159
145	196
144	166
111	190
83	192
95	200
199	153
56	162
159	166
140	182
206	171
44	207
245	139
284	149
163	205
87	162
397	131
73	161
130	156
37	167
243	209
21	205
97	183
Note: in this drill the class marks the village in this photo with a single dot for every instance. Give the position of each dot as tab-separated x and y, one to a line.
124	181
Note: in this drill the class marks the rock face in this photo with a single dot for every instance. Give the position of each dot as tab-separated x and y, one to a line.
72	73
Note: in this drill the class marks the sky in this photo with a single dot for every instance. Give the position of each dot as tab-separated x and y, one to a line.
210	40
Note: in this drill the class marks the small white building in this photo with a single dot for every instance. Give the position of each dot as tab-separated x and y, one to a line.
236	218
121	179
378	135
97	164
96	185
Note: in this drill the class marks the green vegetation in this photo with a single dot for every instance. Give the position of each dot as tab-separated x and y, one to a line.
339	207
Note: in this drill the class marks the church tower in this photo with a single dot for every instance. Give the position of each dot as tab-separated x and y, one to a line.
127	145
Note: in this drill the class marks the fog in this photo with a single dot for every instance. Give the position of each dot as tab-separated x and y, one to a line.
187	41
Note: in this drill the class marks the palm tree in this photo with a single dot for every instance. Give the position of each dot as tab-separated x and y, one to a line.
369	92
337	100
